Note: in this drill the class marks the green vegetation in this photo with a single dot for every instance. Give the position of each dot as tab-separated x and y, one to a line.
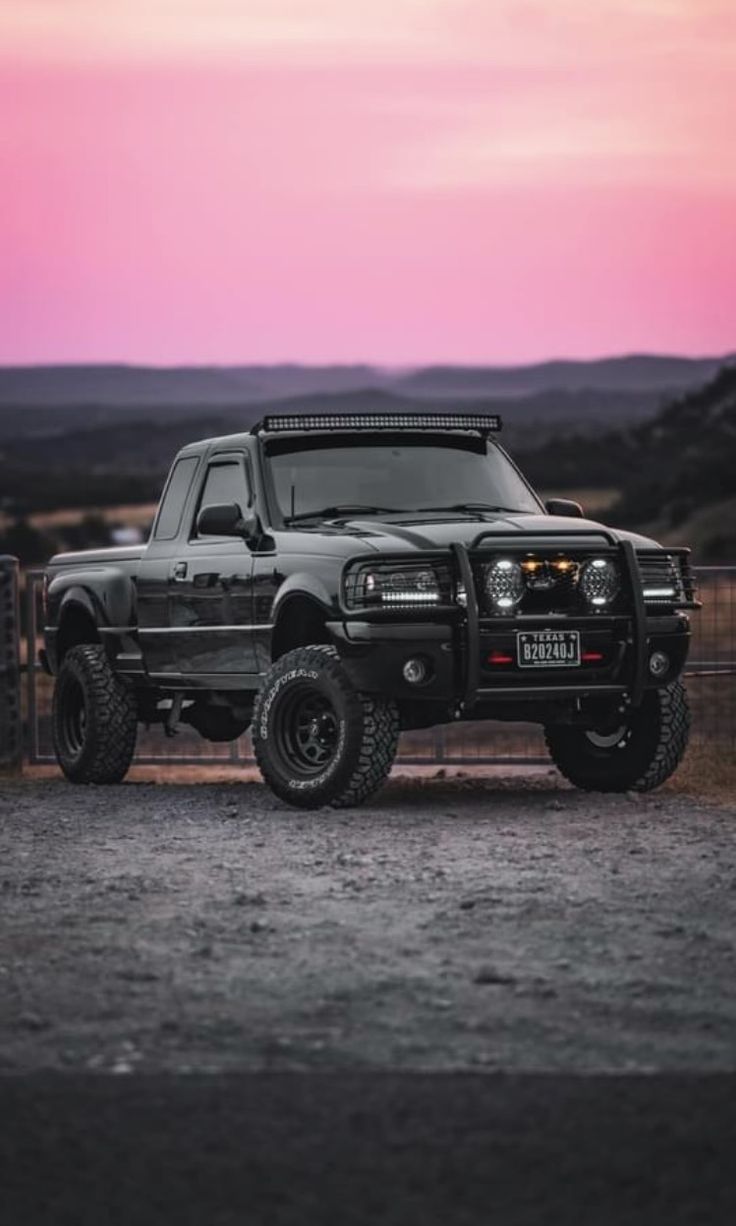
24	541
676	473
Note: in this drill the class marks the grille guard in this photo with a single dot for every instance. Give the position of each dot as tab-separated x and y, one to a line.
630	567
623	550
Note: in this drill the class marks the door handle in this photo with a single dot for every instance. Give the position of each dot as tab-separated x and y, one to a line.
179	572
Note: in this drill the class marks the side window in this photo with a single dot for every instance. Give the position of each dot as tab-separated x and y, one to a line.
226	481
175	495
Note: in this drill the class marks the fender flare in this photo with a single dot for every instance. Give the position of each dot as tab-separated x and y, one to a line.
78	598
307	587
106	593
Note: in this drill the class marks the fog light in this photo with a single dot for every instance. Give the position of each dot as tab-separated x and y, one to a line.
659	663
599	581
415	671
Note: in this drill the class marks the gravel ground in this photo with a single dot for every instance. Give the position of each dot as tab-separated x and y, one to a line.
478	924
368	1149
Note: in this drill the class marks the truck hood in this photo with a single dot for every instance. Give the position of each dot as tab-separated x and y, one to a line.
99	557
414	533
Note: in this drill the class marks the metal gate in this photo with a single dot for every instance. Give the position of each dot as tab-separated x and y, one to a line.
11	741
711	678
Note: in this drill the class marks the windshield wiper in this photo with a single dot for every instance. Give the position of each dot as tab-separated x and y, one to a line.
474	506
344	508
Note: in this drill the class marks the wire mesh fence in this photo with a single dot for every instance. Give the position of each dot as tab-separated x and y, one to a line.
710	677
11	748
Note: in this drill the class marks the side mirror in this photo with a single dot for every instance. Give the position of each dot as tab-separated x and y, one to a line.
564	506
226	519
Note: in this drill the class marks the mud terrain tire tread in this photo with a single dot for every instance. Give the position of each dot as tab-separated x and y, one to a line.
112	718
371	735
664	726
377	754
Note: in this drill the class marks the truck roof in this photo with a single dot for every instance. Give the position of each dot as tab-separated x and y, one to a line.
481	424
301	423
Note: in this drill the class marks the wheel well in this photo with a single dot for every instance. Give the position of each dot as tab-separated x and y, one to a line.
76	626
300	623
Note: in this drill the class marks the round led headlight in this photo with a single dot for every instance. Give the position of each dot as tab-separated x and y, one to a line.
504	584
599	582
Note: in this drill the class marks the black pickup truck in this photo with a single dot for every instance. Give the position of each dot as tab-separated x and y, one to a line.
330	580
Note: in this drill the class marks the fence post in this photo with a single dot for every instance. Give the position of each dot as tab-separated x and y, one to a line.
11	728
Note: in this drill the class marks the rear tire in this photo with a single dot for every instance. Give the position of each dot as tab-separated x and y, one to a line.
638	755
318	741
94	718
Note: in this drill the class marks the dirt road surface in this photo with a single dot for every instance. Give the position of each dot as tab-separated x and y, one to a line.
444	926
576	954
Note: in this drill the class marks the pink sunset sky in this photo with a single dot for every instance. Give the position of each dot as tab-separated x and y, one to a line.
396	181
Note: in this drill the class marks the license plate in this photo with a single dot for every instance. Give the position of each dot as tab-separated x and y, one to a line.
548	649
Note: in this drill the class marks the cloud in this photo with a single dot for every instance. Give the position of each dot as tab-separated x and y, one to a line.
294	30
210	179
492	32
581	127
439	94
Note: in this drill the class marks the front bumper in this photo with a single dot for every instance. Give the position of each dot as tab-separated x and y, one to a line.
374	655
457	650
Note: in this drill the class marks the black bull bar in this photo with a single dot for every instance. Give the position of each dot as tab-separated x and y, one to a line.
630	568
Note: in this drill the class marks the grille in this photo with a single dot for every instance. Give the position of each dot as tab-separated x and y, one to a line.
551	583
663	579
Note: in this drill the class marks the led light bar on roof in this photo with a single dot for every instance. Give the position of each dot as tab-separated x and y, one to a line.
480	423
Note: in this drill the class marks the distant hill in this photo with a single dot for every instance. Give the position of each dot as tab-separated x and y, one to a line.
44	451
676	472
64	456
544	413
629	373
214	386
538	402
683	471
125	386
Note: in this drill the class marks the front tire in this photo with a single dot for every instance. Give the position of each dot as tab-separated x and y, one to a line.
94	718
637	755
318	741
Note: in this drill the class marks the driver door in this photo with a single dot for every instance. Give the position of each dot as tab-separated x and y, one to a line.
211	582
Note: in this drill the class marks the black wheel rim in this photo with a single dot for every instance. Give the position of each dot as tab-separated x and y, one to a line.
73	716
307	730
608	740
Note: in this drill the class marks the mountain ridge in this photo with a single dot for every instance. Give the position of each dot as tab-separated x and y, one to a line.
129	384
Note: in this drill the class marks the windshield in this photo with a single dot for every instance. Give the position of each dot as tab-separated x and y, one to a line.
375	478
